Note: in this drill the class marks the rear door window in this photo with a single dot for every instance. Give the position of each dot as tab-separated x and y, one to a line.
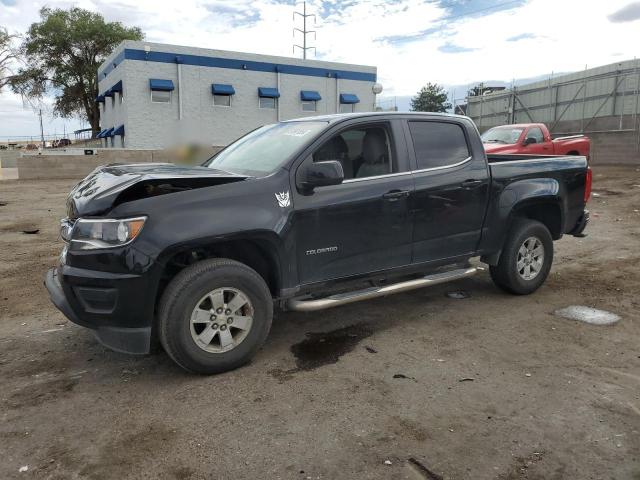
438	144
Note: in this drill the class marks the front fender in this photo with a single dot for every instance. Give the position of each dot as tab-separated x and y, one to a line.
203	217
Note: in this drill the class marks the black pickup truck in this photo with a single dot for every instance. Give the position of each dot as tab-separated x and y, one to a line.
304	215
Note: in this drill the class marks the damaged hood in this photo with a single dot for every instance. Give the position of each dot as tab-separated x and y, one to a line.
112	184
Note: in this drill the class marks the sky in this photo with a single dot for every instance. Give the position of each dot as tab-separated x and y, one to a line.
455	43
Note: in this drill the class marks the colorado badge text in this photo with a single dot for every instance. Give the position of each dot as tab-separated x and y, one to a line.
317	251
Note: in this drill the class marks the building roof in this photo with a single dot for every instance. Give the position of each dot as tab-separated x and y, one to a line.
165	53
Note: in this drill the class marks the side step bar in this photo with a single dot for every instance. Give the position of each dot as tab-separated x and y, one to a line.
299	304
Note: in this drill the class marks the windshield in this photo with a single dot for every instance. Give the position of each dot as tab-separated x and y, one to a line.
506	135
262	151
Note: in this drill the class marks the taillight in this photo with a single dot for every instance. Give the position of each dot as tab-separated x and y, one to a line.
587	185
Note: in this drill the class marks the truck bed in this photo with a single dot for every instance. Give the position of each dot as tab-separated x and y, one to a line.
518	157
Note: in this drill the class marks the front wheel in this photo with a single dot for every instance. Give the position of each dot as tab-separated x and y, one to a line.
214	316
526	258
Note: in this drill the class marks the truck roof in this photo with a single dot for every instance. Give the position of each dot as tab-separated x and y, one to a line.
520	125
335	117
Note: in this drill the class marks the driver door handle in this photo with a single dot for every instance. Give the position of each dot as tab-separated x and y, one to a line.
393	195
471	183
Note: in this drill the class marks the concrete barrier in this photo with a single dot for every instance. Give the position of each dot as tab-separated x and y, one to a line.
9	158
71	165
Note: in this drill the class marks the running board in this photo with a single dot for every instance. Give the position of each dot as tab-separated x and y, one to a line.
301	305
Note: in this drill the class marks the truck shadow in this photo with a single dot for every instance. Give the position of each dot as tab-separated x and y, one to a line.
61	360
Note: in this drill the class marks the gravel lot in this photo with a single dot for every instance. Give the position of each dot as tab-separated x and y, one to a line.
416	386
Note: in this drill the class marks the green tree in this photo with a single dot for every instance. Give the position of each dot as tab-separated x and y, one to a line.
8	56
62	53
430	98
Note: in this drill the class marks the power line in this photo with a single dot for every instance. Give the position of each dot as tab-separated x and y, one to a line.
465	14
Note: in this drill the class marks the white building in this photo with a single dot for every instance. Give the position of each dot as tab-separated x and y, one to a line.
154	95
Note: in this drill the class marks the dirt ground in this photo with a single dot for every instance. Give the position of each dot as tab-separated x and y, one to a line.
416	385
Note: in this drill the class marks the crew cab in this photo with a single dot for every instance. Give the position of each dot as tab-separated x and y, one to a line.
533	139
304	215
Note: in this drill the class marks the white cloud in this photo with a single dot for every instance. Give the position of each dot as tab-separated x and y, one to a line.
549	35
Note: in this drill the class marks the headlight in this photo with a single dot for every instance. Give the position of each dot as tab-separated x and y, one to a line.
89	234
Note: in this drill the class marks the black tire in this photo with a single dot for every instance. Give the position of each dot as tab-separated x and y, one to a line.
505	275
185	291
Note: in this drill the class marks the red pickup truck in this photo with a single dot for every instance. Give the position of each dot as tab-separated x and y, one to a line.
534	139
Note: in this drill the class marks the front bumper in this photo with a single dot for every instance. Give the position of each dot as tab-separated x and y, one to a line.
583	221
103	303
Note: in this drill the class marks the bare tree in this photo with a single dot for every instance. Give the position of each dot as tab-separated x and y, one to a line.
8	55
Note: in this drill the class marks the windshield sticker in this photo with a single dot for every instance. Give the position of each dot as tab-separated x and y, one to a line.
297	132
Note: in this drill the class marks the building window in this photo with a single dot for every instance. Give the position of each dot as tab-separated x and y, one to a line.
222	100
309	99
161	96
267	102
348	102
268	97
311	106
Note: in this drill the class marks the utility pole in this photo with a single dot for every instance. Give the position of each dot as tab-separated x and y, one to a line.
304	31
41	129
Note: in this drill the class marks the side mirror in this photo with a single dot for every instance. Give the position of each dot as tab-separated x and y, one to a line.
321	174
529	141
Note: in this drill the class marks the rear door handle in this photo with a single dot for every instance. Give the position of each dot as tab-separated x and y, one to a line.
470	183
394	195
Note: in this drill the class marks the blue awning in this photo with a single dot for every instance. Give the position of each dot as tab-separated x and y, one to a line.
268	92
309	96
108	133
108	93
100	99
158	84
119	130
349	98
100	134
117	87
222	89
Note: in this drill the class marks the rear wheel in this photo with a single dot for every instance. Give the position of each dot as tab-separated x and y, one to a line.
526	258
214	316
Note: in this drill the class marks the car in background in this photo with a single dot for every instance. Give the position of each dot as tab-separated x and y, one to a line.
533	139
63	142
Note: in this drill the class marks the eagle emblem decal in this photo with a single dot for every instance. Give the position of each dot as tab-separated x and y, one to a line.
283	199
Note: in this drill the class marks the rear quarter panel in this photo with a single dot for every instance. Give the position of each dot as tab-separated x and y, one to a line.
517	183
580	145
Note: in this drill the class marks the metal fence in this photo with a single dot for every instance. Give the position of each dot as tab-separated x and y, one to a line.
81	138
597	100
